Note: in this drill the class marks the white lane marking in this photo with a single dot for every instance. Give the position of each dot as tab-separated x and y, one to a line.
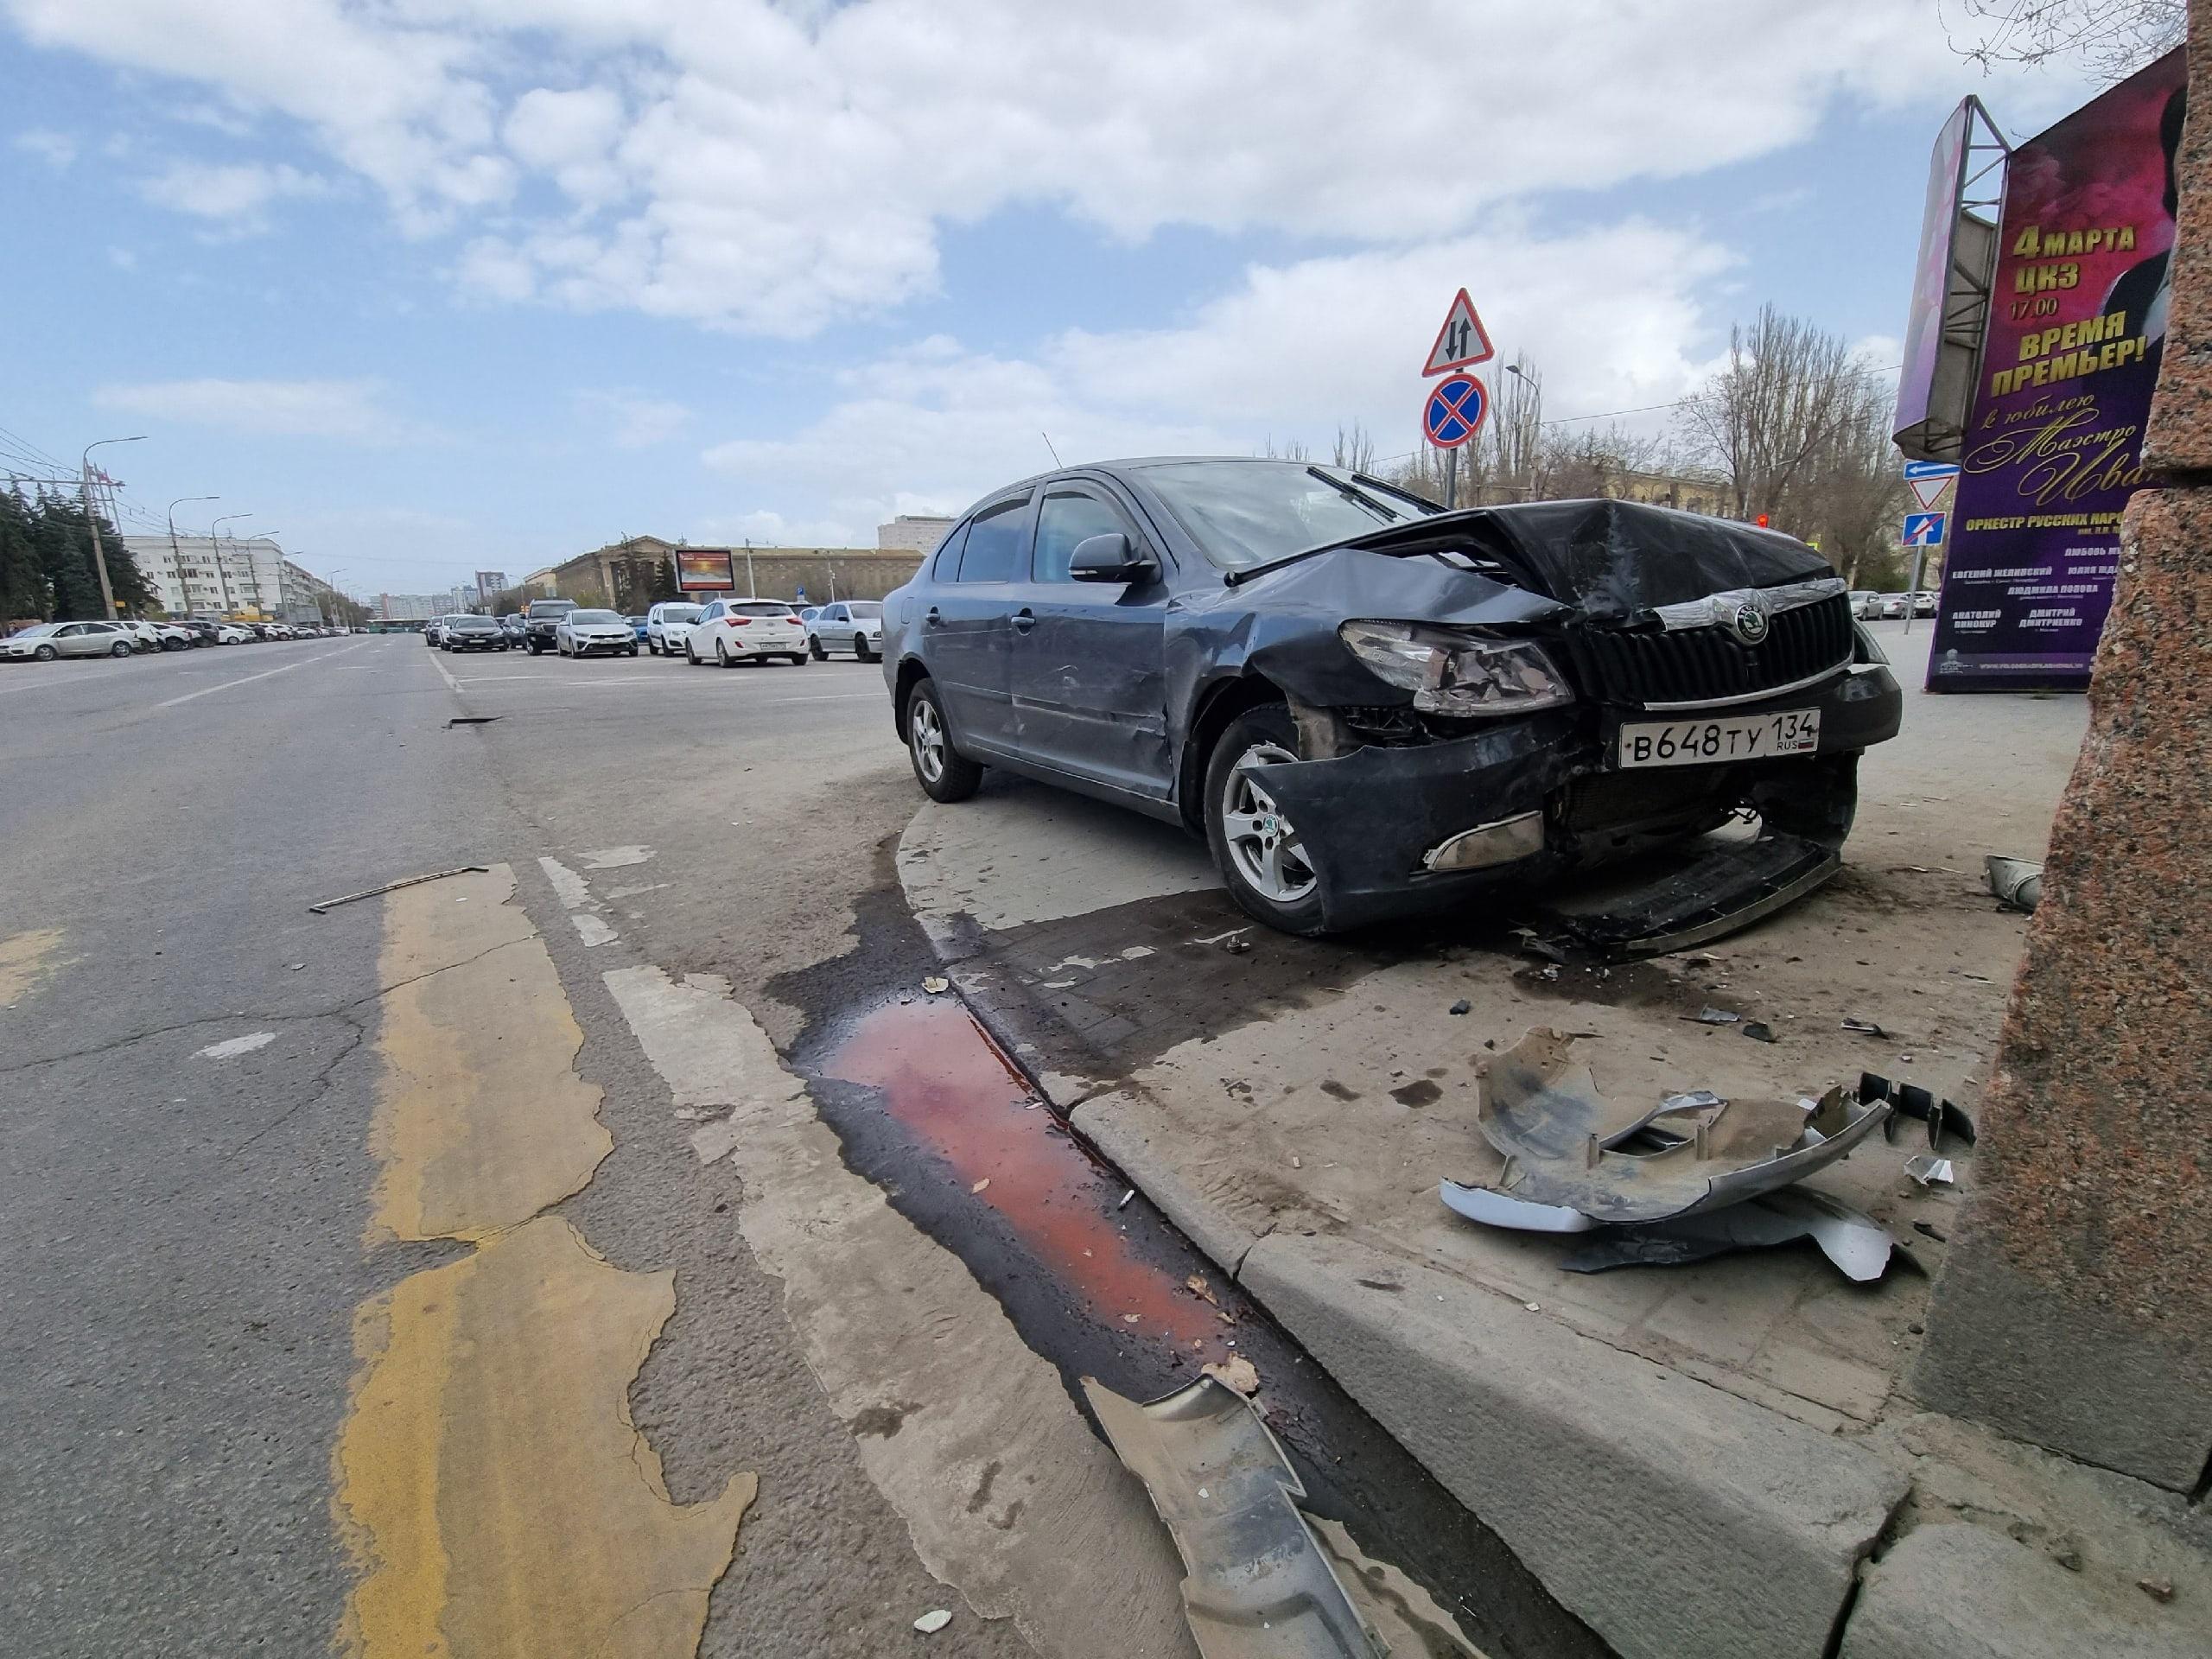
237	1046
451	684
575	898
282	668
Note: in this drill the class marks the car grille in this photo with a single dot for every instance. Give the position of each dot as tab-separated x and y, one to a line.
1709	664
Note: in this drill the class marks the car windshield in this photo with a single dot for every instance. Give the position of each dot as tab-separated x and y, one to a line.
865	610
680	612
635	621
552	608
593	616
760	607
34	633
1244	513
475	622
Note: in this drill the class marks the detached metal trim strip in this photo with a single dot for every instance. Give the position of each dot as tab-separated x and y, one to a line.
1828	673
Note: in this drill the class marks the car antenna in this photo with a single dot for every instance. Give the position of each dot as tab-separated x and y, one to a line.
1047	437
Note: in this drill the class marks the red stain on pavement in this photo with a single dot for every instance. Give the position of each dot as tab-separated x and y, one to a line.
941	1077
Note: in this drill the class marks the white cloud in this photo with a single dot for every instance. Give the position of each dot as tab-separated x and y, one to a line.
349	409
237	195
632	420
1289	353
776	167
56	149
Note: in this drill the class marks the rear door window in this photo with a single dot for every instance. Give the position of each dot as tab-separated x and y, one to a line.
996	544
1070	516
766	608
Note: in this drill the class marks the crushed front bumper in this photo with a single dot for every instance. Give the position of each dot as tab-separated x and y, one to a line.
1372	823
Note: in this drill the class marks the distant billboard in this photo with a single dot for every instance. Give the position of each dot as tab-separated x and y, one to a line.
705	570
1950	286
2053	447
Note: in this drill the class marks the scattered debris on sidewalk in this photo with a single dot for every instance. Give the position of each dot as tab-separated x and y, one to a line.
933	1621
1257	1584
1910	1100
1758	1031
1461	1007
1710	1015
1236	1372
936	984
1854	1241
1926	1168
1863	1027
1692	1177
2015	883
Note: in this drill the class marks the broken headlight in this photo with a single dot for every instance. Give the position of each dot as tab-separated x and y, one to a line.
1457	671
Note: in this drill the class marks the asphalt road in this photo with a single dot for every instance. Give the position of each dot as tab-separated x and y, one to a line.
198	1274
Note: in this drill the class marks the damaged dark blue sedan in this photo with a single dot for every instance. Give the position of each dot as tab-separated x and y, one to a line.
1369	706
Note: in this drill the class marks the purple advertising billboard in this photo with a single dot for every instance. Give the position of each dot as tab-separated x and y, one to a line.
2053	442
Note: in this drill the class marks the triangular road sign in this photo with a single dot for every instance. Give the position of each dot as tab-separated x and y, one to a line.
1928	491
1460	341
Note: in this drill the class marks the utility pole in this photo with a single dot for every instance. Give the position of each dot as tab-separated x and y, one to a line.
222	572
176	555
91	519
749	588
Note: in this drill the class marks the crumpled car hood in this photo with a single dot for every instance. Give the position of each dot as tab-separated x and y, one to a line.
1611	559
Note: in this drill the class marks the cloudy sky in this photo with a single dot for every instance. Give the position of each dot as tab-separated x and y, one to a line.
430	286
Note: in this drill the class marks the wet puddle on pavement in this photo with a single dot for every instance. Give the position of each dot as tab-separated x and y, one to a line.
940	1076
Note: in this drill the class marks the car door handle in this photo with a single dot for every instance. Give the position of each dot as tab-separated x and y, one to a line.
1024	619
933	617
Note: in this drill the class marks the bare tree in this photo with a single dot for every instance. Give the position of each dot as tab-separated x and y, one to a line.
1354	450
2112	39
1788	390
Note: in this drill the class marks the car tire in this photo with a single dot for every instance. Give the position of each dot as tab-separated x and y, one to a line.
634	651
721	655
814	649
46	653
943	772
799	659
691	656
861	652
1293	906
119	650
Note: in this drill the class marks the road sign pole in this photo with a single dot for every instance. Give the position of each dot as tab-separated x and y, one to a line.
1450	478
1912	584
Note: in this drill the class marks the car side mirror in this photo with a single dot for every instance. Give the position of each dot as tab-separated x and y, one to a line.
1110	558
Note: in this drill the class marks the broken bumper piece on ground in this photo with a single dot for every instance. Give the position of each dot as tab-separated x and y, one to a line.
1257	1584
1692	1177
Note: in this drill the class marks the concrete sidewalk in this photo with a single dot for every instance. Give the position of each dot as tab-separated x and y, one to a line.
1698	1459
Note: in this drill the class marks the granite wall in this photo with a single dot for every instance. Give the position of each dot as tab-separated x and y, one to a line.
2075	1307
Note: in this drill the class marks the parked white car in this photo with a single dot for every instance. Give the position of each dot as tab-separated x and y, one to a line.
581	632
854	625
668	623
747	630
48	640
230	633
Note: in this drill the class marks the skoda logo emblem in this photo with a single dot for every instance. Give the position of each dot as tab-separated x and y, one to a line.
1748	621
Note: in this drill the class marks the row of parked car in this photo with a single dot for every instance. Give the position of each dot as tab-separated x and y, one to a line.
1873	607
719	630
44	642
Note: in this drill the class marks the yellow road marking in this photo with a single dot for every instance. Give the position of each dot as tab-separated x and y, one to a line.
481	1120
497	1496
25	963
490	1469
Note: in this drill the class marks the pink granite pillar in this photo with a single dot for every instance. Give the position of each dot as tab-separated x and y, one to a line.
2075	1307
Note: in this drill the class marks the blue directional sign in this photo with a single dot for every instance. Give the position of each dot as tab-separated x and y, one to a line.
1929	469
1454	411
1923	530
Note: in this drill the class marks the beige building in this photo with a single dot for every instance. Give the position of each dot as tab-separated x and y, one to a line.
912	532
627	569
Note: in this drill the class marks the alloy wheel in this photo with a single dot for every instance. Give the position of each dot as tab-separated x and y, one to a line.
1263	842
926	731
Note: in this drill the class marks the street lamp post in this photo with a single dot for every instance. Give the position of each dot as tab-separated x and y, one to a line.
176	556
222	575
91	521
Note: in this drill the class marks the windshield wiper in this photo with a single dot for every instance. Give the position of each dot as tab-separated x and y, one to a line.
1351	494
